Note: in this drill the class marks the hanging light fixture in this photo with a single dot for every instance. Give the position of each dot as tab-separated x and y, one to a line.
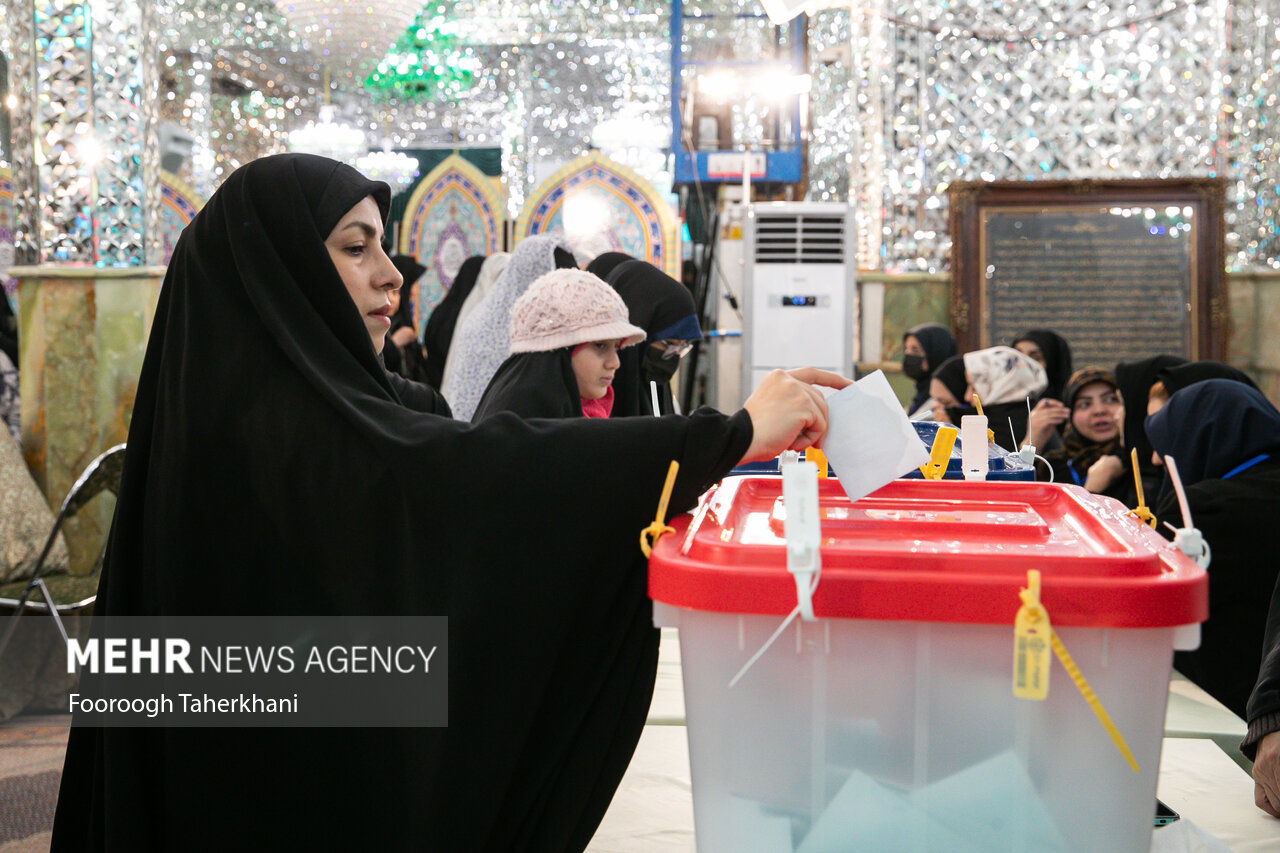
328	138
427	62
394	167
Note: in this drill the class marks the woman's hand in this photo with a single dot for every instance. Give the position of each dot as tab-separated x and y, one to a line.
1103	473
940	413
1047	415
788	412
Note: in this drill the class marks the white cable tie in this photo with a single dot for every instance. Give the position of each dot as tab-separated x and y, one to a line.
767	643
802	527
1046	463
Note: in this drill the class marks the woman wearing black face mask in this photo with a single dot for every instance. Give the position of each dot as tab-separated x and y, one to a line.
924	347
662	307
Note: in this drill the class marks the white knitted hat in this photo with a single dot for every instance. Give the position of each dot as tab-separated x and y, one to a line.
567	307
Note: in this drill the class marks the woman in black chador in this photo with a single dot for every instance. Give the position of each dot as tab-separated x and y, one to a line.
438	335
664	309
1225	437
285	475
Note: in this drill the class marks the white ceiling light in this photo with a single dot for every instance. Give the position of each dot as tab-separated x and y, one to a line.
394	167
328	138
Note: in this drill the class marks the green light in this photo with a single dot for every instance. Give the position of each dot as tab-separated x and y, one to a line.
422	64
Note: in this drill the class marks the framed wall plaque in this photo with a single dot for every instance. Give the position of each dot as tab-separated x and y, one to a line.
1122	269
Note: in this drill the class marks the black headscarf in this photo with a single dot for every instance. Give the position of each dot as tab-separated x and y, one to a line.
410	270
1213	426
1057	358
1179	376
284	475
409	360
605	263
533	385
438	334
1135	379
661	306
939	345
950	372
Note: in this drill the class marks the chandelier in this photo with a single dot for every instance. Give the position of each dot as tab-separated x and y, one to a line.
349	34
328	138
393	167
427	62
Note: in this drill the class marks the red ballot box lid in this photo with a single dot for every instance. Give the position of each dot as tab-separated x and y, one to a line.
944	551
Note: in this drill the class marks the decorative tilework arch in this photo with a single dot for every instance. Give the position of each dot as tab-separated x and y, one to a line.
179	204
617	210
454	213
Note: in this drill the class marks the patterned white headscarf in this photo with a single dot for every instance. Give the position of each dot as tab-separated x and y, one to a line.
489	272
1004	375
483	338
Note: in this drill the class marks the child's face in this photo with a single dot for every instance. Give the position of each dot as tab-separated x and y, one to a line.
594	366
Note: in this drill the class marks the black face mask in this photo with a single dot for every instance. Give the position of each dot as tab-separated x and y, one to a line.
955	413
657	367
913	367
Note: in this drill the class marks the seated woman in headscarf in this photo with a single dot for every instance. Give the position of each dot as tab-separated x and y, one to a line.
948	388
1003	379
1225	437
1052	352
1135	379
438	334
1049	416
1092	453
566	332
483	340
289	475
924	347
1172	379
661	306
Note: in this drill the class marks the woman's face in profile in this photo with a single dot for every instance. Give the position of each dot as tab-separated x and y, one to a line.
355	247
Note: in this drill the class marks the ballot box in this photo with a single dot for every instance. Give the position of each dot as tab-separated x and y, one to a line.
888	720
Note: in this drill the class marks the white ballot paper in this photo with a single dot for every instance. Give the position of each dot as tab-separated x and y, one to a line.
869	440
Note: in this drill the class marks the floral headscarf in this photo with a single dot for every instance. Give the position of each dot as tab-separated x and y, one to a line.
1003	375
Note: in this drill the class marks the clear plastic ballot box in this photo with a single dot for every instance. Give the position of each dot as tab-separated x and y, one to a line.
889	722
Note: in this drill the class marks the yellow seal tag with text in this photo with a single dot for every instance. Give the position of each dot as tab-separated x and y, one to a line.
1032	646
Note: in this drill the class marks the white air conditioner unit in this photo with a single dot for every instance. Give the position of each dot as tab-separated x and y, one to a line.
798	289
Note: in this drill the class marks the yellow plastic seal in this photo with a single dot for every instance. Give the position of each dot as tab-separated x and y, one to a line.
1142	511
817	457
1031	644
1033	638
977	404
651	534
940	454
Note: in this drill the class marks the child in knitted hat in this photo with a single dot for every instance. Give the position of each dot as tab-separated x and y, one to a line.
566	331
